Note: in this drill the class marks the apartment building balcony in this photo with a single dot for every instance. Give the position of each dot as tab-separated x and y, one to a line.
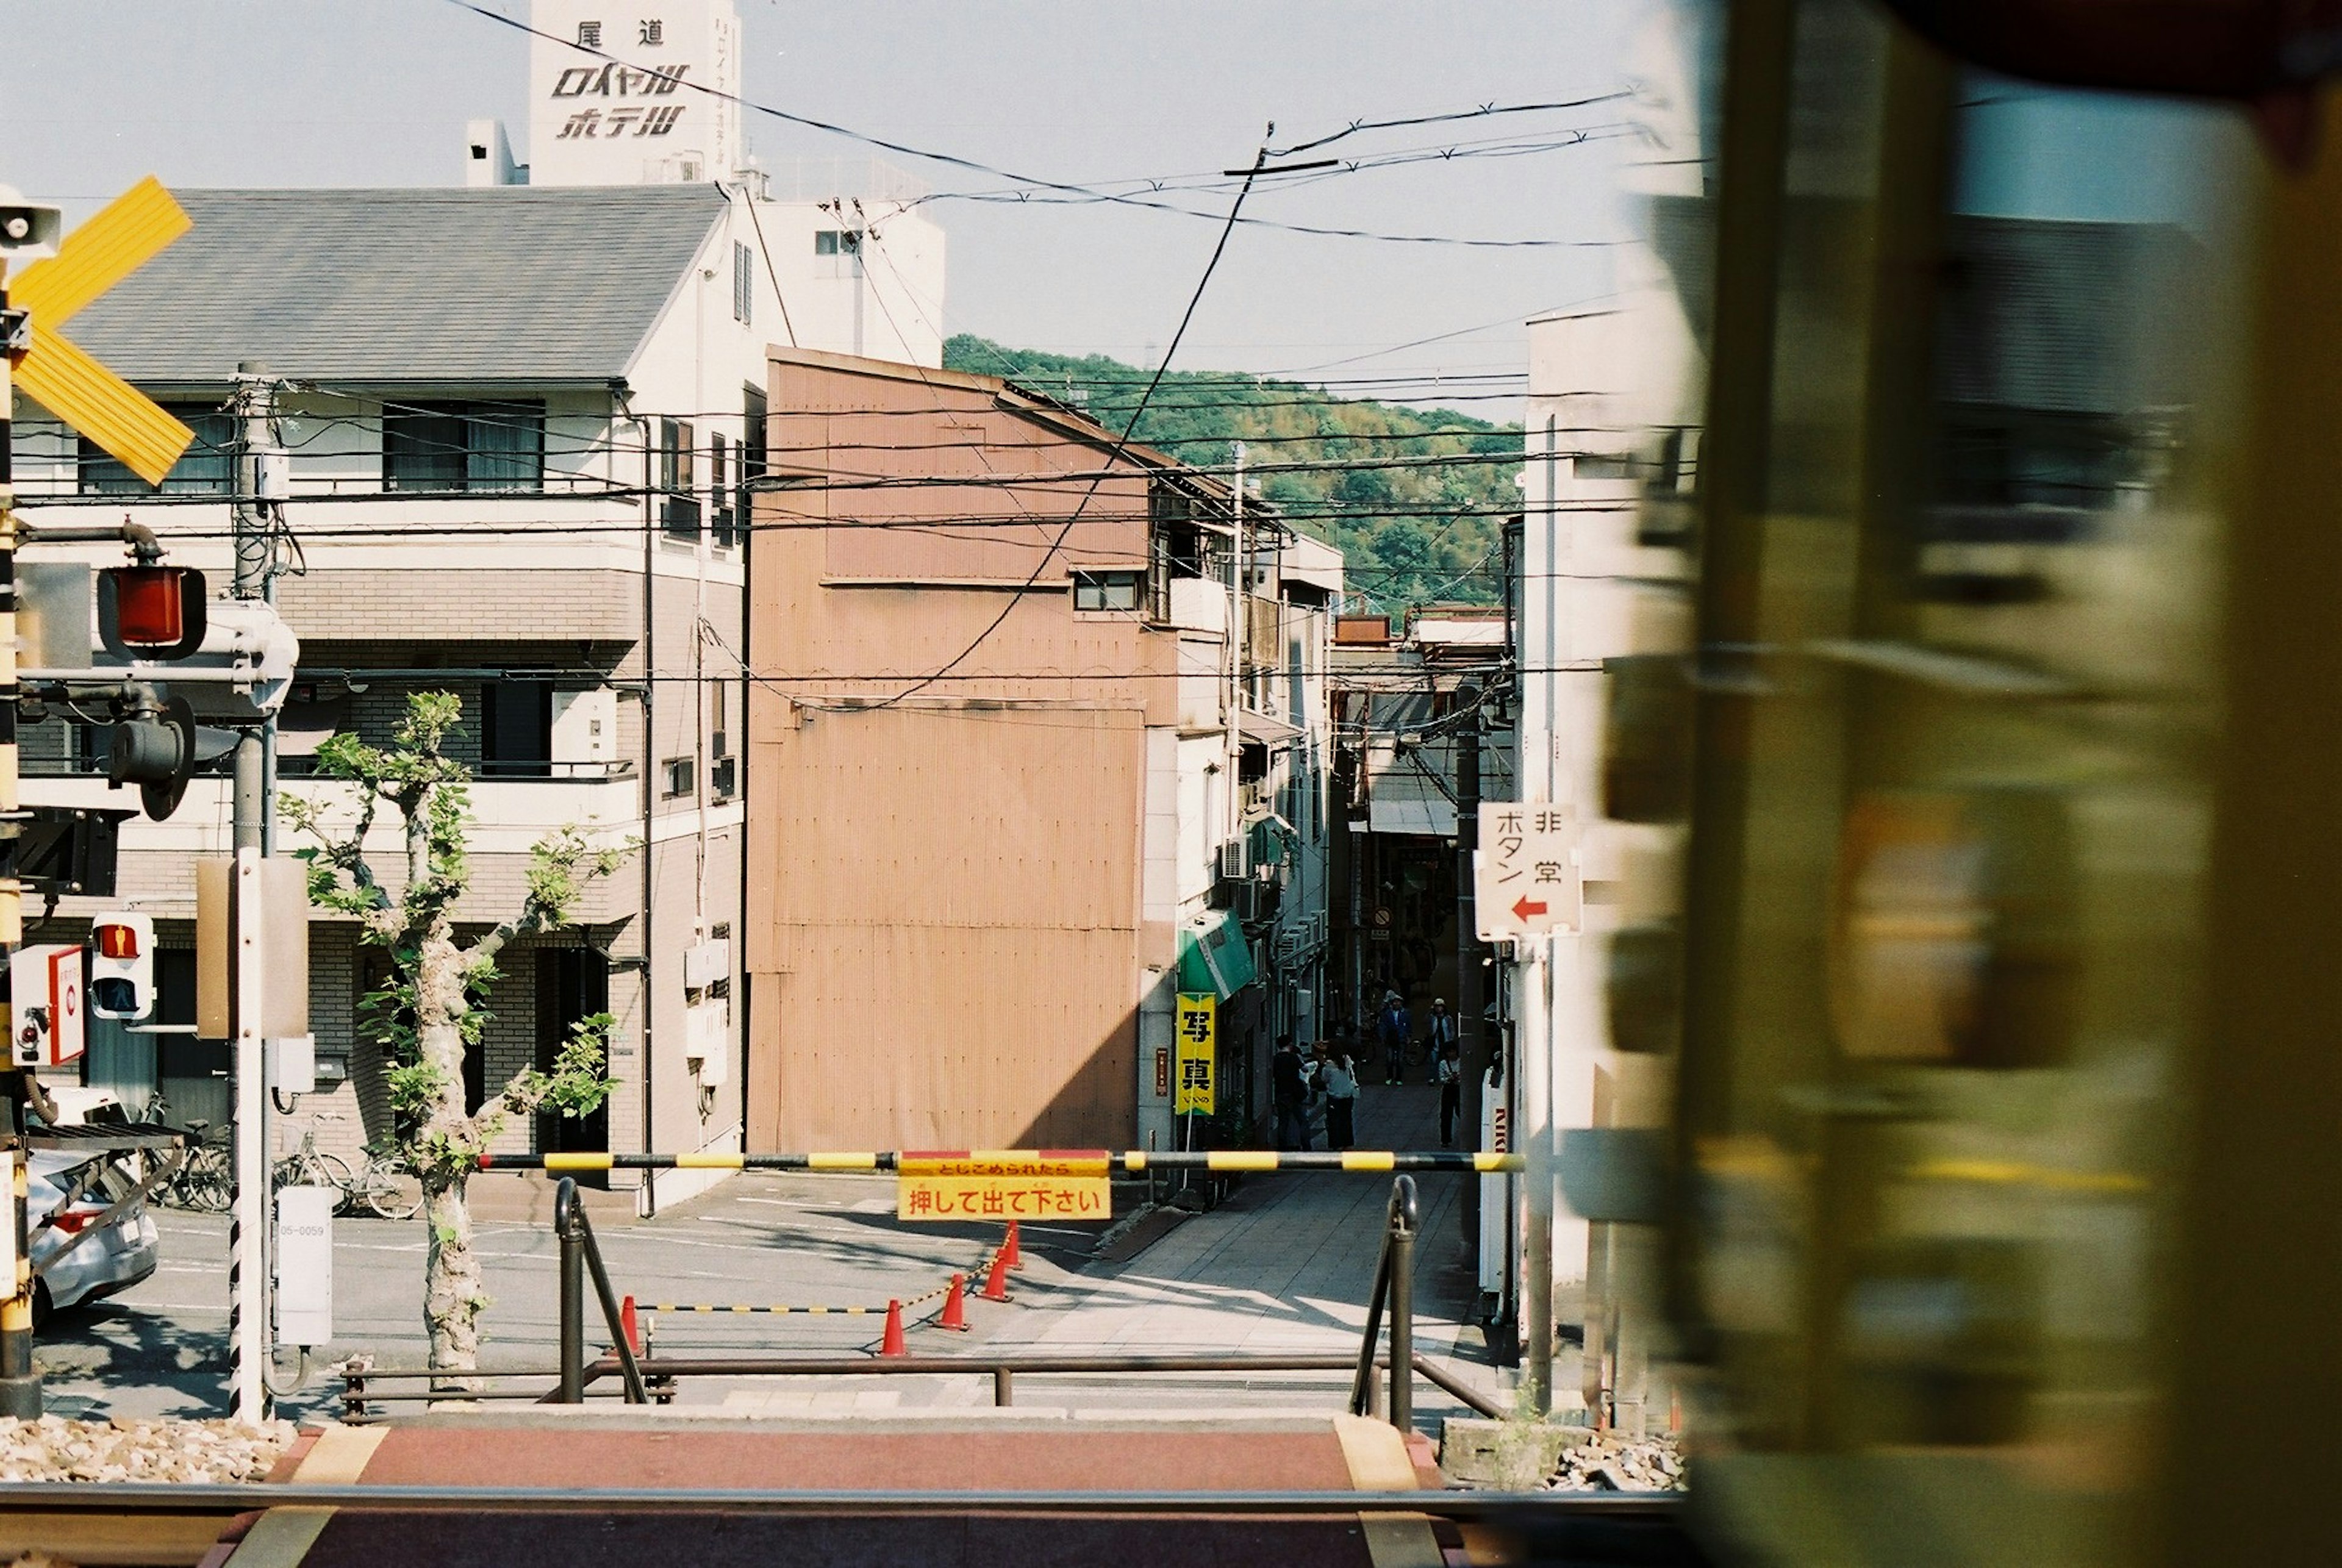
510	815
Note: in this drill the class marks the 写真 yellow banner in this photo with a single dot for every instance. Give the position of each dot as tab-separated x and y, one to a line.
993	1184
1192	1092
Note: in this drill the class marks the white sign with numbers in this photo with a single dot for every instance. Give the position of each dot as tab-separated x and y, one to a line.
1525	876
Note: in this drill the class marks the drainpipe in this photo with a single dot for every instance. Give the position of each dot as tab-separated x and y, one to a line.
650	765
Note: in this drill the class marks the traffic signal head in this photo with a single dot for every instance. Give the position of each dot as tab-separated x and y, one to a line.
122	966
27	229
151	611
156	750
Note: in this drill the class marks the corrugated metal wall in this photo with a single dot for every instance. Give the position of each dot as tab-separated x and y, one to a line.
944	934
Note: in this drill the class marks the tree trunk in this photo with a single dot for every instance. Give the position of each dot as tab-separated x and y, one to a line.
453	1297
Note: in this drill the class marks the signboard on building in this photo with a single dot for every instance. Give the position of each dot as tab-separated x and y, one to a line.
1526	877
1004	1184
638	92
1193	1090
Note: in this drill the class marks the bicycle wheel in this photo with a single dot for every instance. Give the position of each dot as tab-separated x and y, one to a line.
390	1191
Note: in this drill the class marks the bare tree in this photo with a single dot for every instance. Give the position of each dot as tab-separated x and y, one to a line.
430	1012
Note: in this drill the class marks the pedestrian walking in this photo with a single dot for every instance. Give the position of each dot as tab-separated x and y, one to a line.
1447	1071
1440	1034
1289	1096
1337	1075
1393	1025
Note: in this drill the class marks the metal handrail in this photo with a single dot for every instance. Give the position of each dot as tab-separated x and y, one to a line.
1394	1284
579	1252
357	1392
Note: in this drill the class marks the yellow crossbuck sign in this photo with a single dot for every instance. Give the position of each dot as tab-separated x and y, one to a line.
69	383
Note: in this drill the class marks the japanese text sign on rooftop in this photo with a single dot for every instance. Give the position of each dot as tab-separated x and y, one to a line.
1526	877
1194	1091
1003	1185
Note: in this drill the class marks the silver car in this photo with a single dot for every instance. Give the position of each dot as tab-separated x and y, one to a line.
71	1265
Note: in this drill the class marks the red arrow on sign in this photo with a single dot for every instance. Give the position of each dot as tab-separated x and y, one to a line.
1524	909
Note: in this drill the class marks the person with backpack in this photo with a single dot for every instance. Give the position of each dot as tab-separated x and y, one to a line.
1439	1035
1393	1024
1337	1075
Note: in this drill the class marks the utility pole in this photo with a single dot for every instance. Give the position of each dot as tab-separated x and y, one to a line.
247	1250
20	1381
1472	1065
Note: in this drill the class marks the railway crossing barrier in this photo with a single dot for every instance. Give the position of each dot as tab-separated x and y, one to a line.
1127	1162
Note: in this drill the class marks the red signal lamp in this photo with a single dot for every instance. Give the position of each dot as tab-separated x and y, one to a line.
151	611
117	942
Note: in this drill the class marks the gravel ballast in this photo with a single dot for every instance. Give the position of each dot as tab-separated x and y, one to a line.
221	1452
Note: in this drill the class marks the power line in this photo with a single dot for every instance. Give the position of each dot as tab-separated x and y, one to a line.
954	160
1219	249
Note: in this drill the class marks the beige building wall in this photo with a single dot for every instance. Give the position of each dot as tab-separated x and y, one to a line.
946	936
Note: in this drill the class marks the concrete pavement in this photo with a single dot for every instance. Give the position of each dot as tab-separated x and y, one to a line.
1282	1266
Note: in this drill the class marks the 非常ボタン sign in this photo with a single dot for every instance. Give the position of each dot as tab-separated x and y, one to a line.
1003	1185
1526	879
1199	1055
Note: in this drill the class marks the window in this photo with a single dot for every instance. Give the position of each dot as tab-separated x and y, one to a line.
681	776
1106	590
678	506
719	710
720	494
206	468
744	286
516	729
463	447
837	252
751	459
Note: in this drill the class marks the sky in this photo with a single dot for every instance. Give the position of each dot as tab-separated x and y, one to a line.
94	93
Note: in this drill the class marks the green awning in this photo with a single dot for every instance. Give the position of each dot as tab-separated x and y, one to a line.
1213	956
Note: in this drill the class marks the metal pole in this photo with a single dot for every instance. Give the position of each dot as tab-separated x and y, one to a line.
1402	1304
1004	1387
247	1235
573	1293
20	1383
1536	1145
247	1261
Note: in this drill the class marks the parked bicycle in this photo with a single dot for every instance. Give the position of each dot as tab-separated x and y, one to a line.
202	1180
309	1166
386	1186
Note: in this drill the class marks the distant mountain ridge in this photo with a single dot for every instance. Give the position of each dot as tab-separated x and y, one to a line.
1413	532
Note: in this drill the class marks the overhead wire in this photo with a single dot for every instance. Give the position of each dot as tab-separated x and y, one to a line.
954	160
1219	248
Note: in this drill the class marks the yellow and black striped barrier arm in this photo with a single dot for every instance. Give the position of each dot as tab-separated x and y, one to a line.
1132	1162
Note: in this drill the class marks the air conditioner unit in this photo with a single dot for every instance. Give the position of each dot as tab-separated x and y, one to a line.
1236	859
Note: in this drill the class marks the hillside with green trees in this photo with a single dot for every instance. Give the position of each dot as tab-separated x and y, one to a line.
1364	475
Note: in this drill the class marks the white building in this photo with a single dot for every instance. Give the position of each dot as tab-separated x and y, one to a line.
520	421
648	93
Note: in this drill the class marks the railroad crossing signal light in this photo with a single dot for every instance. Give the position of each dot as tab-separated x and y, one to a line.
95	256
156	751
121	966
151	611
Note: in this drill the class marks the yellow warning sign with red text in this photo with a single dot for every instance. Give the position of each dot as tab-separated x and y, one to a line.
1003	1185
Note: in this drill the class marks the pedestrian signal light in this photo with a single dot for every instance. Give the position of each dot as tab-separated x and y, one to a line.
122	966
151	611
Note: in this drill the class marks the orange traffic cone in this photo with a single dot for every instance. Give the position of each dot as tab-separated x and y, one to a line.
955	1312
626	1322
995	1280
1010	1249
891	1344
